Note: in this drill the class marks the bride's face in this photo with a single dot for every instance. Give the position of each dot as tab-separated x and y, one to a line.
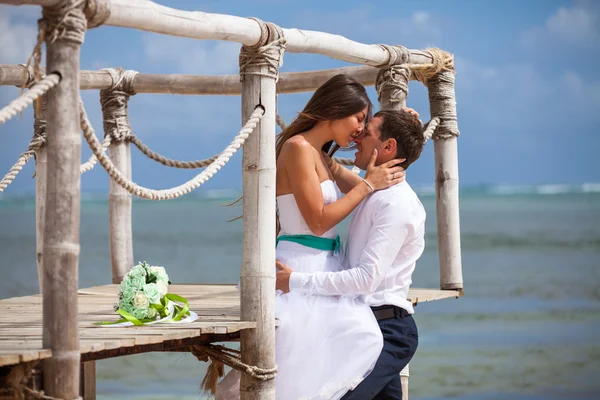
346	129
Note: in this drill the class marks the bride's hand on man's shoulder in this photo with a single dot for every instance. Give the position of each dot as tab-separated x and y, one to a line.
384	175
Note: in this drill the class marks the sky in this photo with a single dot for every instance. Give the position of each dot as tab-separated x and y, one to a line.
527	89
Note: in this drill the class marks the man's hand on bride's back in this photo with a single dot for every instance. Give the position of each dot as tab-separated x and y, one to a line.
384	175
282	277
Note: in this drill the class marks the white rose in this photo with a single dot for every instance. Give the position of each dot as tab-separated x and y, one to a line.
162	287
141	301
157	270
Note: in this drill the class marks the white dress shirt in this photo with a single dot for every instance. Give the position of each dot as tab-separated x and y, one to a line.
385	239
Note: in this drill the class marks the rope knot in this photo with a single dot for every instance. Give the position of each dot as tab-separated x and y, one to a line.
268	52
440	61
114	102
66	21
395	79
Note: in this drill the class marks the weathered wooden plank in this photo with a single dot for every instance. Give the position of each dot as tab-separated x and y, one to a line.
218	308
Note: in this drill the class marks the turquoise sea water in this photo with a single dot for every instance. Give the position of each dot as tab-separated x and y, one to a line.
527	328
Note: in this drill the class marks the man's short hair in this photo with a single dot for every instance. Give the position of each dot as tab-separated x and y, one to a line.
406	130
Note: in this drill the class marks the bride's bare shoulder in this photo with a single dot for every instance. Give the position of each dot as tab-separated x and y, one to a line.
297	145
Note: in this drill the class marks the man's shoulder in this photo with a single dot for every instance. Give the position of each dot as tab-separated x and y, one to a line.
400	197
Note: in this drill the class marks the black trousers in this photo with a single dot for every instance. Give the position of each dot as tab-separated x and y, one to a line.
400	342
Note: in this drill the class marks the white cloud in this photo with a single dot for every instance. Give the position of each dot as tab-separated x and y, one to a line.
577	26
192	56
19	33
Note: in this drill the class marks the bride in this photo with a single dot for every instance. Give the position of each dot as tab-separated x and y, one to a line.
325	345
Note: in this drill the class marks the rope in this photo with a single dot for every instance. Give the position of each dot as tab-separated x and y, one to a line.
430	128
65	21
194	183
91	162
344	161
280	122
264	54
441	61
397	55
395	79
34	145
219	355
16	384
114	104
443	105
25	99
169	162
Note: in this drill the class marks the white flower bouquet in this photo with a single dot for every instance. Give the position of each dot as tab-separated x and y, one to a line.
144	299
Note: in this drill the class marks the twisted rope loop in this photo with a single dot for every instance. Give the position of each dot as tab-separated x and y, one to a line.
430	128
219	355
25	99
34	145
194	183
267	53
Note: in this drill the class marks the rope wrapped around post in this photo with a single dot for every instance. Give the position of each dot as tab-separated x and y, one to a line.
34	145
443	105
38	140
267	53
19	384
394	79
114	104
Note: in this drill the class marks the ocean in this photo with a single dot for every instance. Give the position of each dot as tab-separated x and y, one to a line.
527	328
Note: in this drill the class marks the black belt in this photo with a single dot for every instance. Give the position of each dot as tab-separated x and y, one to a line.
387	312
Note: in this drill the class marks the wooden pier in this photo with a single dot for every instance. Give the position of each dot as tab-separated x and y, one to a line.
58	326
217	306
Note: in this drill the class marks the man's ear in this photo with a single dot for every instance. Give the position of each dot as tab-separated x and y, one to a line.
390	146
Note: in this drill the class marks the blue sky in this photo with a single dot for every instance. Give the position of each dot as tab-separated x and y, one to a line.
528	94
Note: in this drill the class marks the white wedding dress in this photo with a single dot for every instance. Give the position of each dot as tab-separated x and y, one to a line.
325	345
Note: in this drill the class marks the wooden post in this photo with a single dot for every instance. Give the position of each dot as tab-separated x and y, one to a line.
87	389
392	85
258	253
404	382
41	161
61	230
116	125
443	105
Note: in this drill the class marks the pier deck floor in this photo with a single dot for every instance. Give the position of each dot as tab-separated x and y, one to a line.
217	306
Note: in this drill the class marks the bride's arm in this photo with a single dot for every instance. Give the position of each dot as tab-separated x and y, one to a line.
344	178
299	165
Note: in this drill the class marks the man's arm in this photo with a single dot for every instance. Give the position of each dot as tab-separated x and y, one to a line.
387	235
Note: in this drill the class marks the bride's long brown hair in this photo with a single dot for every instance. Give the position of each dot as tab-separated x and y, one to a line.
340	97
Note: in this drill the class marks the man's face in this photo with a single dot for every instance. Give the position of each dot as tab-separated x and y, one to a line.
368	141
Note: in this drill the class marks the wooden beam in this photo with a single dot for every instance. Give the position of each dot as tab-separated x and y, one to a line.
148	16
228	85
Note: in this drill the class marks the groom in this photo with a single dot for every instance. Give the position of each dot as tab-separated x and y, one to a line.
385	239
